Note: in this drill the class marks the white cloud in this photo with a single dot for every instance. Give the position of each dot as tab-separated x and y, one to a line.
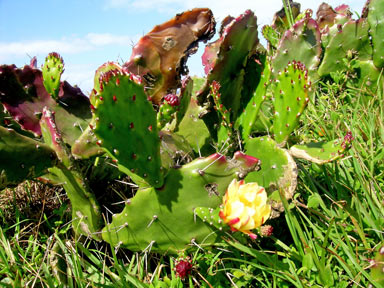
264	10
63	46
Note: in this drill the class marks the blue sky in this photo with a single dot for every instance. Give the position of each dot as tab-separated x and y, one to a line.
88	33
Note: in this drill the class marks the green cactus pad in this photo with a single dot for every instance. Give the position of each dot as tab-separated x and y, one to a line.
322	152
193	129
377	268
86	216
126	127
376	30
174	150
250	114
22	158
302	44
164	219
85	146
351	42
185	98
291	93
52	70
211	217
237	43
278	169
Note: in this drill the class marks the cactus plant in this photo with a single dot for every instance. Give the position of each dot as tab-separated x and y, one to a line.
122	96
166	219
303	36
160	56
22	158
375	10
52	70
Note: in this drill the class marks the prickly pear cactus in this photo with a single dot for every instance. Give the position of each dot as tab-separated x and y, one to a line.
291	93
52	70
250	114
322	152
278	170
137	146
22	158
302	44
236	44
164	219
160	56
353	39
86	216
376	30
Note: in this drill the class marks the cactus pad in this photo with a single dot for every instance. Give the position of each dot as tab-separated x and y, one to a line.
86	216
300	43
164	219
237	43
160	56
291	93
322	152
352	41
376	30
22	158
52	70
132	140
278	169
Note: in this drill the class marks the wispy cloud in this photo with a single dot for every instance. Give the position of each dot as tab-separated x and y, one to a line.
66	45
221	8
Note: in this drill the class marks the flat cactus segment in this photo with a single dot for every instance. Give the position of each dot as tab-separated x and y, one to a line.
302	44
164	219
238	42
377	265
322	152
185	99
278	169
126	127
86	216
23	95
251	112
376	30
193	129
85	146
291	93
22	158
52	70
160	56
108	66
351	42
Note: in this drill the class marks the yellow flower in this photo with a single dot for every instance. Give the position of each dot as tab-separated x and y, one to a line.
245	207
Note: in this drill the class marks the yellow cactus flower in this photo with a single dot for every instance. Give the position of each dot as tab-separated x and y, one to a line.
245	207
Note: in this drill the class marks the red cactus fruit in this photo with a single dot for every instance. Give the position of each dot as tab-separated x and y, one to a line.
183	268
172	99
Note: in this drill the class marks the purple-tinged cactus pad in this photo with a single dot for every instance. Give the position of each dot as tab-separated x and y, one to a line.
23	95
160	56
